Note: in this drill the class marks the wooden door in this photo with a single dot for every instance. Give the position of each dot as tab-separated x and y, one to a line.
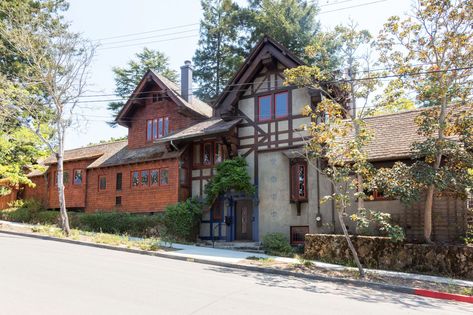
244	220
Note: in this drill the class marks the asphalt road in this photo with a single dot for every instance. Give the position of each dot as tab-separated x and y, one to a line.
47	277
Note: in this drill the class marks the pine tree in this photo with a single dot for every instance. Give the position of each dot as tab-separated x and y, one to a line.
219	51
128	77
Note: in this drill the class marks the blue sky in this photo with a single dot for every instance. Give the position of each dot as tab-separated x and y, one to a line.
170	26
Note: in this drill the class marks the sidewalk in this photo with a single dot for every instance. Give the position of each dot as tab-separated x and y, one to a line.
231	256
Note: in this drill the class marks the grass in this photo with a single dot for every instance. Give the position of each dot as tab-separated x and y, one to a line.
148	244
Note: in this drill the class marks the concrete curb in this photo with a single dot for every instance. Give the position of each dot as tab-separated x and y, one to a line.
359	283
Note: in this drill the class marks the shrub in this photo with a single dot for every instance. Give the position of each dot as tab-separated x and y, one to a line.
277	244
181	221
46	217
138	225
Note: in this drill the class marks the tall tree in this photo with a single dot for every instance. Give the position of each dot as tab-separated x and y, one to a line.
219	52
291	22
432	52
19	147
57	63
128	77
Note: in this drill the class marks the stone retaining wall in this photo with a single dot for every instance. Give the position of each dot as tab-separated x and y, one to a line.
382	253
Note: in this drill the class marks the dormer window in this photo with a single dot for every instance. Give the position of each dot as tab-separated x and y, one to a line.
157	128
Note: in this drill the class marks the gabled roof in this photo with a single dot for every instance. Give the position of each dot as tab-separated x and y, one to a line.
196	106
266	48
205	128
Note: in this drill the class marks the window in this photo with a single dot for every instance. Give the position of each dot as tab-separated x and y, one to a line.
298	234
155	97
144	178
118	184
160	128
264	108
298	181
166	126
149	130
135	178
218	153
65	178
164	176
118	200
280	106
207	156
77	177
155	128
154	177
196	154
102	183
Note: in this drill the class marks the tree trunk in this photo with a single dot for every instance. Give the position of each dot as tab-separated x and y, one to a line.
428	214
350	245
60	187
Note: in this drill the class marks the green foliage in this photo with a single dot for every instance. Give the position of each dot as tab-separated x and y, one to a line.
118	223
365	216
181	221
219	52
277	244
111	140
231	174
128	77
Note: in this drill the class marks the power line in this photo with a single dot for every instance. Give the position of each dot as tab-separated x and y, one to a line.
353	6
149	37
147	32
151	42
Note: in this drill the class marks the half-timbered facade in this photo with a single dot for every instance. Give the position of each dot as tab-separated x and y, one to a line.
175	142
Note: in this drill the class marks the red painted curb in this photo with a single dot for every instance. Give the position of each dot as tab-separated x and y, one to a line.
444	296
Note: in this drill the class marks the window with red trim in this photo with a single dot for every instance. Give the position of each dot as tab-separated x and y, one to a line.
149	130
299	181
157	128
154	177
144	178
298	234
280	105
265	111
135	178
77	177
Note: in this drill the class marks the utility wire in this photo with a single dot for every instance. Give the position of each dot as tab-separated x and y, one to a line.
147	32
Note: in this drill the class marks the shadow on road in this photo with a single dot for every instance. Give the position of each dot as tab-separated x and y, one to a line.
349	291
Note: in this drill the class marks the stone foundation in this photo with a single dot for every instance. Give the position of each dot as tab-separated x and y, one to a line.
382	253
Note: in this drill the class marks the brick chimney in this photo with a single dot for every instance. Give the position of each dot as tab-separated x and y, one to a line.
186	81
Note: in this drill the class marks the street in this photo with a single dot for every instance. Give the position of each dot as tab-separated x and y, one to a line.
47	277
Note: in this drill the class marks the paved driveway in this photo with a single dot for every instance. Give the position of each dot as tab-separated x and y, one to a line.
47	277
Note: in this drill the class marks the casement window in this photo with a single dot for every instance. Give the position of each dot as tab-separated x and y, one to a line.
280	105
207	154
298	234
102	182
157	128
65	178
164	174
135	178
144	178
265	112
154	174
298	174
118	183
118	200
77	177
196	159
274	106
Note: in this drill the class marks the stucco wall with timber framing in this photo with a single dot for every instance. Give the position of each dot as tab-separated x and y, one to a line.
382	253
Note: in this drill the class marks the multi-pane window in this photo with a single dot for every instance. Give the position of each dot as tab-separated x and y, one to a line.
164	176
280	105
274	106
65	178
299	181
144	178
209	153
135	178
154	177
102	182
119	180
77	177
264	106
157	128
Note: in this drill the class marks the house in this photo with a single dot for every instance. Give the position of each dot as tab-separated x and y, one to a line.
175	141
